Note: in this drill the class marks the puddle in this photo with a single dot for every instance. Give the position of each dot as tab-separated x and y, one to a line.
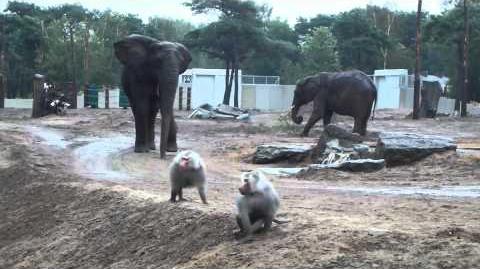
446	191
96	158
49	137
281	171
475	153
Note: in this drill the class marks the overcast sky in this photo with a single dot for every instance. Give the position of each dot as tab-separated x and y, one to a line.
285	9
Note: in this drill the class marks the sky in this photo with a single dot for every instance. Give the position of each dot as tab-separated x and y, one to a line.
288	10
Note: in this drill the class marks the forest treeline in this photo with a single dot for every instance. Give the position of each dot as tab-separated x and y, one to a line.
72	43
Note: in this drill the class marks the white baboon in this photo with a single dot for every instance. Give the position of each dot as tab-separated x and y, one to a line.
258	204
187	170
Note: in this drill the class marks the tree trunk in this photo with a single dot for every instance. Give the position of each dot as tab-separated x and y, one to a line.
390	21
3	74
235	97
227	76
87	57
2	92
459	71
228	86
39	106
416	87
74	67
463	112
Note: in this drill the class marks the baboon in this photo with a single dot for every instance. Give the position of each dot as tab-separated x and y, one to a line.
187	170
258	204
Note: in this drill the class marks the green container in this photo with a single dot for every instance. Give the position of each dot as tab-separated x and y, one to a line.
123	102
91	97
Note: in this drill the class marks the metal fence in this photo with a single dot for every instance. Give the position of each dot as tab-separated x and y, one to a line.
262	80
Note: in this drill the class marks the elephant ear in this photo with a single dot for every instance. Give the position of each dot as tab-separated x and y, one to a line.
302	82
179	52
132	50
184	57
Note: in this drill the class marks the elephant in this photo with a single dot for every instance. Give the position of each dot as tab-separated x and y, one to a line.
150	80
350	93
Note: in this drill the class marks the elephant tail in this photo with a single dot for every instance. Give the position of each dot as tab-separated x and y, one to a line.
375	95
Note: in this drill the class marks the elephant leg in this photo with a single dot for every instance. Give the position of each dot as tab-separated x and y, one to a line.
327	118
167	96
172	137
166	121
311	121
151	125
363	126
141	126
357	126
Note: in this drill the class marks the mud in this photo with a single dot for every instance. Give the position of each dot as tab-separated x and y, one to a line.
74	195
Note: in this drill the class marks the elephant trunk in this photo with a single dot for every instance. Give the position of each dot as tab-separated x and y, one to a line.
294	112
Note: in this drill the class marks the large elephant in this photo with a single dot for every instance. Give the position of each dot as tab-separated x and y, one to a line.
349	93
150	79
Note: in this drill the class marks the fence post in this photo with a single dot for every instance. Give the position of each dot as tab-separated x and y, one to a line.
2	92
180	98
107	96
39	96
85	95
189	98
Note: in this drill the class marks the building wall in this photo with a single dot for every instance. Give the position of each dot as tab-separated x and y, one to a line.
268	97
207	86
113	98
391	87
18	103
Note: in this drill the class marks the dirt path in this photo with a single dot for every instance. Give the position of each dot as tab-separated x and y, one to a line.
75	196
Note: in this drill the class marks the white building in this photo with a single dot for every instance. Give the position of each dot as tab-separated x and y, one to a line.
199	86
392	88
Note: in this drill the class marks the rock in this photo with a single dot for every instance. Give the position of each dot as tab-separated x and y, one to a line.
270	153
360	165
405	148
334	131
361	148
364	151
222	112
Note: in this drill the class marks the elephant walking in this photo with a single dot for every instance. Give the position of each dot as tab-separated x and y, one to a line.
350	93
150	79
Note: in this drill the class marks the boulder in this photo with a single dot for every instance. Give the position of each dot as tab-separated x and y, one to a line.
360	165
271	153
405	148
334	131
361	148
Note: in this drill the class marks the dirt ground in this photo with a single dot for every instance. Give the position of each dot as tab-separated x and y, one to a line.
74	195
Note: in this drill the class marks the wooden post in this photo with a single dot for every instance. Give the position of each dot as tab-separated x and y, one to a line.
416	86
180	98
107	97
85	95
463	110
39	107
189	98
2	92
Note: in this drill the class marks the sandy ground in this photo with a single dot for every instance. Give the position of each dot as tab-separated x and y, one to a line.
74	195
